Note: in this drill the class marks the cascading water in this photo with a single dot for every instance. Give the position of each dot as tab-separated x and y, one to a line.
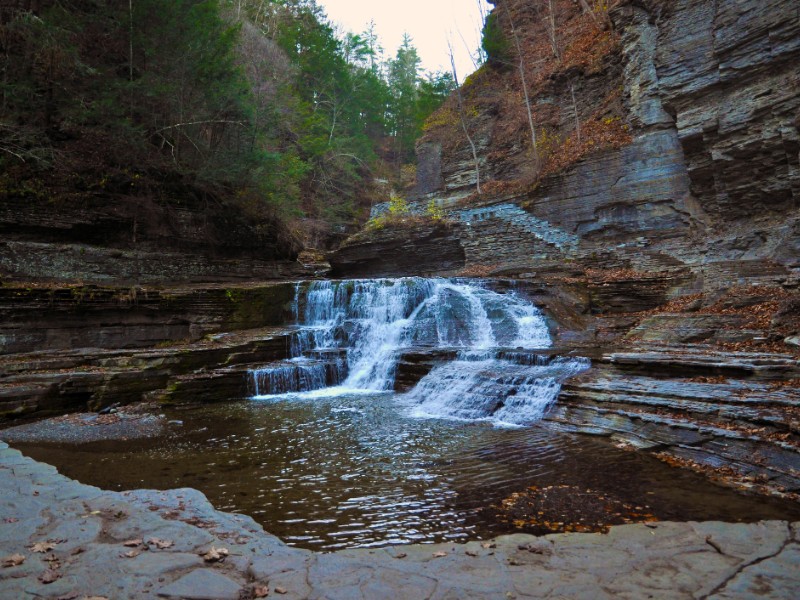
375	321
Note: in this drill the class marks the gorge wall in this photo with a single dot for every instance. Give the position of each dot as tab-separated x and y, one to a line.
657	221
686	161
123	236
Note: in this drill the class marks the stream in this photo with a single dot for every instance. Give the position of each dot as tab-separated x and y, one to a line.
326	455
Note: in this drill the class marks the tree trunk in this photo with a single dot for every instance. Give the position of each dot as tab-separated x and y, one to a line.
464	121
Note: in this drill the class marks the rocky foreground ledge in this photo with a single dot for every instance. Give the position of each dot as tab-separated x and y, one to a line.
62	539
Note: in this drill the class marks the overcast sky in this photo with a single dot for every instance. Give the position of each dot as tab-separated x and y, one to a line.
428	22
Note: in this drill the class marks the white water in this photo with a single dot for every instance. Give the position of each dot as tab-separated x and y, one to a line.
375	321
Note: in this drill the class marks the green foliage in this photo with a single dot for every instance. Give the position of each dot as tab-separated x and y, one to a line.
398	206
258	98
434	211
494	42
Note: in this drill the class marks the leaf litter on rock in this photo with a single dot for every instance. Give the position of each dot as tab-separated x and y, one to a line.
43	547
160	544
215	554
49	576
12	561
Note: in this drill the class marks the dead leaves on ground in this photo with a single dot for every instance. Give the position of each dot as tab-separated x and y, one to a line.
49	576
14	560
43	547
215	555
139	545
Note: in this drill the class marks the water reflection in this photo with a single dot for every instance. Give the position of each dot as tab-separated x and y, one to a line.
357	470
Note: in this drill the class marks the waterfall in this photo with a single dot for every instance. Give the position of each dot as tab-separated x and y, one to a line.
502	390
374	321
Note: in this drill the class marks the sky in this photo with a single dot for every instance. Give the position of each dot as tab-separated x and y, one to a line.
429	23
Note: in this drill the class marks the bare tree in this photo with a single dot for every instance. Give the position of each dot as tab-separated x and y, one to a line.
588	9
521	67
575	110
552	29
463	119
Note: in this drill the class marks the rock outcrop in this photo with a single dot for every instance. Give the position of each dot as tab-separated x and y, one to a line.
119	238
65	349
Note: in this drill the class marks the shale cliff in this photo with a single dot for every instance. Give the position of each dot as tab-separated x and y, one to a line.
666	163
656	218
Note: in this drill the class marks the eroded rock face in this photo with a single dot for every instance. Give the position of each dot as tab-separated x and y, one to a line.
729	73
424	249
120	239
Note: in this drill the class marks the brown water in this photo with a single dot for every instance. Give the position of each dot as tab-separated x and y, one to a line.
358	471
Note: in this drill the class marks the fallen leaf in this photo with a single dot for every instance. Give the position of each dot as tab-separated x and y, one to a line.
401	555
10	520
487	545
439	554
132	543
471	553
13	561
49	576
77	551
261	591
161	544
280	590
42	547
215	554
131	554
94	598
70	596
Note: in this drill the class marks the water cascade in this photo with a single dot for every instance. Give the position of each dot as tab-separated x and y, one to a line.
353	333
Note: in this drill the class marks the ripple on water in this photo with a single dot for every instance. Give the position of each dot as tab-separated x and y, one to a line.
355	470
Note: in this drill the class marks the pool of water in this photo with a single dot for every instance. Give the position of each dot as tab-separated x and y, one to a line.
357	470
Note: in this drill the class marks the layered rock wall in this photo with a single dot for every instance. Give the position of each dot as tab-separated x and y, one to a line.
709	181
133	239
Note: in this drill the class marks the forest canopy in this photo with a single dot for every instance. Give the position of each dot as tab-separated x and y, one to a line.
261	102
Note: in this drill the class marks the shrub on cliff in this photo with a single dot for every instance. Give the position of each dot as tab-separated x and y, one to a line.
494	42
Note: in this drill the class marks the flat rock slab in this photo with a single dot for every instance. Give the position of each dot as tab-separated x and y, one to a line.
202	584
100	543
86	427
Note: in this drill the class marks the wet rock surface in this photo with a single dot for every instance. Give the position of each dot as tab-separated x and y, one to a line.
81	541
89	427
211	369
